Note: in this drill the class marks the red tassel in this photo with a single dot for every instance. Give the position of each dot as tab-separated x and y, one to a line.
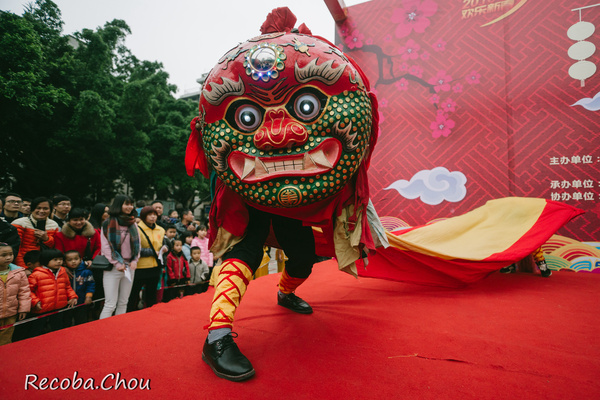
194	155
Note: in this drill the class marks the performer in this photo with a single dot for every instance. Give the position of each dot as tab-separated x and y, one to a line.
286	130
287	126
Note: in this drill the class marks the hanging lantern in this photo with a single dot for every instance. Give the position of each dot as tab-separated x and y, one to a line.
583	49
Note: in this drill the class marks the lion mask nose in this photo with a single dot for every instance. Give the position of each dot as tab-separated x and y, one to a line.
280	131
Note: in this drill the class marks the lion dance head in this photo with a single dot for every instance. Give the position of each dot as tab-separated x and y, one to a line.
286	119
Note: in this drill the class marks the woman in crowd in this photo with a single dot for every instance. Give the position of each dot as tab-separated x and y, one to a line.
121	246
78	234
148	268
98	215
36	230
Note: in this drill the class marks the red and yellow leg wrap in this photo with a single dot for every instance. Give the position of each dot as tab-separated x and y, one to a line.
538	255
231	286
288	284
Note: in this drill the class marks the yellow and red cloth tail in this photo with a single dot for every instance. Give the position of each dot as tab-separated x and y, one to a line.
464	249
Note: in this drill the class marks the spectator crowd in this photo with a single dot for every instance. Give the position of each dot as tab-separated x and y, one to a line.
62	266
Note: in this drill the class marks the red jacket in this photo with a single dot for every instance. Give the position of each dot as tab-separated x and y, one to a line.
53	291
14	294
177	267
67	239
28	241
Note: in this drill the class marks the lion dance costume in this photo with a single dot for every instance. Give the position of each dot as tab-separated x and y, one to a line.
286	128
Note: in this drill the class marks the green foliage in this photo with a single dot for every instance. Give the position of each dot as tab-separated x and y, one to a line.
83	116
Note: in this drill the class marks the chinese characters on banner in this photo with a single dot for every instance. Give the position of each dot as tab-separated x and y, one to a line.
577	189
473	8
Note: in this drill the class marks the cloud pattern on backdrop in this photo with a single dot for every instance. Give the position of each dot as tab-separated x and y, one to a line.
433	186
589	104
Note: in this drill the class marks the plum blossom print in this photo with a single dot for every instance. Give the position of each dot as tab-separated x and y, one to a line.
473	77
416	71
448	105
413	15
355	39
439	45
408	61
402	84
344	30
410	51
441	81
442	126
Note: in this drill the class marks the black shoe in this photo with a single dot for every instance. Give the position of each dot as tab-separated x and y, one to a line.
226	360
546	272
294	303
511	269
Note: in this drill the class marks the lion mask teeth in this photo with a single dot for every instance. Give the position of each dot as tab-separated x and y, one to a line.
255	168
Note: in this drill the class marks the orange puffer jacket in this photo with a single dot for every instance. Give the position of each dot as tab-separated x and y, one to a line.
26	228
53	292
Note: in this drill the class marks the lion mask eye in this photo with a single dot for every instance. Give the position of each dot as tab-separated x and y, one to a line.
248	118
307	105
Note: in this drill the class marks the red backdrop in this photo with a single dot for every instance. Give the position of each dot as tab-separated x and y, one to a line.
491	102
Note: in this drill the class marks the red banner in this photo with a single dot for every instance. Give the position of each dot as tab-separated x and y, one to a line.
476	103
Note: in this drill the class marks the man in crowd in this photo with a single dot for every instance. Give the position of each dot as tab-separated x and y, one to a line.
162	220
26	207
187	222
12	207
10	235
62	206
139	205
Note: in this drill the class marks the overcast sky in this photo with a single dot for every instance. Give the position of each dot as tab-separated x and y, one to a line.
187	36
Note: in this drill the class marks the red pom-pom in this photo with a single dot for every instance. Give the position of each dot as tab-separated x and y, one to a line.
281	19
304	29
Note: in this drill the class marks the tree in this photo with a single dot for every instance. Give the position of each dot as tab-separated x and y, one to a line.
81	119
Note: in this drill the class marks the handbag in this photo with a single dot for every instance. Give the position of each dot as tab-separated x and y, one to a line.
102	263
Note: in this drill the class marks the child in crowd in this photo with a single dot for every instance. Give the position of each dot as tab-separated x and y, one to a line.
177	269
201	240
170	233
83	283
50	290
15	296
199	272
186	237
32	261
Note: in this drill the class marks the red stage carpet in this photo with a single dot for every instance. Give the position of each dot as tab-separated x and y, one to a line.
515	336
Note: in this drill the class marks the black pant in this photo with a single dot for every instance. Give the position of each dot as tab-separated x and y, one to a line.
76	315
98	292
45	324
197	288
148	278
296	240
